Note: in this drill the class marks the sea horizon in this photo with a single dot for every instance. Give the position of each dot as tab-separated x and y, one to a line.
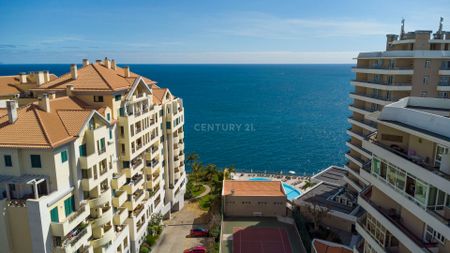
260	117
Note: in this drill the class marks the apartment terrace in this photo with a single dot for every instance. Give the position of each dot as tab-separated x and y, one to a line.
393	222
382	85
62	228
75	240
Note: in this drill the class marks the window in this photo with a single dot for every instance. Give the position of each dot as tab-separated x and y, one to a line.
98	98
64	156
108	116
168	125
101	147
35	161
427	64
117	97
393	138
82	148
441	151
110	134
432	236
69	206
443	94
426	80
8	161
54	214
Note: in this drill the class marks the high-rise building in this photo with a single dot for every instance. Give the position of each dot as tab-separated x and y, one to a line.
84	168
407	201
413	64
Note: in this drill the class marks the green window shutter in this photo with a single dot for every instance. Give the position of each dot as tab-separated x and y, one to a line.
118	97
108	116
64	156
35	161
54	214
69	206
110	134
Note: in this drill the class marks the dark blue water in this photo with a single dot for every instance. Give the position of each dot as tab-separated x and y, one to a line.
266	117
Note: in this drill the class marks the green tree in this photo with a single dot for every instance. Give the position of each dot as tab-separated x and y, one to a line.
191	158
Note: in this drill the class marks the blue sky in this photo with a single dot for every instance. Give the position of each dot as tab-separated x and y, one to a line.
206	31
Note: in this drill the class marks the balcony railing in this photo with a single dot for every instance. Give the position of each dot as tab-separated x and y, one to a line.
376	96
392	216
379	82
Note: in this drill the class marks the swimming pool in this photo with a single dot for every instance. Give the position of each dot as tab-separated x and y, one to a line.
290	191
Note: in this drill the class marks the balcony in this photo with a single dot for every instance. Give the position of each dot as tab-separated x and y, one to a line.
138	211
383	85
432	218
105	236
359	149
102	199
363	123
412	163
134	200
73	220
394	224
356	134
134	184
373	98
103	217
118	181
358	109
443	85
75	241
368	238
120	217
135	166
379	70
119	199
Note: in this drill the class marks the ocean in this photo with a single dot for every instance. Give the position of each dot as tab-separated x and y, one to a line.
260	117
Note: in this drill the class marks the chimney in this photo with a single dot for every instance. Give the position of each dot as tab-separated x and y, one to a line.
40	78
69	90
98	61
46	76
12	110
85	62
113	64
74	71
232	191
44	103
51	95
23	77
127	71
107	63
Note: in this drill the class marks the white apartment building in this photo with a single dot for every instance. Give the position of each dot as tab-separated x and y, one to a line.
127	166
407	200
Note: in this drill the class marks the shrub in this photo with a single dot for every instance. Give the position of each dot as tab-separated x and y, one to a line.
144	250
151	239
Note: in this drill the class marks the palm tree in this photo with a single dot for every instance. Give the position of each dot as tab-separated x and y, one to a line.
196	167
191	158
228	171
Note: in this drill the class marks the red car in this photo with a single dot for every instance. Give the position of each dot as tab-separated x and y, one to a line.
196	249
199	232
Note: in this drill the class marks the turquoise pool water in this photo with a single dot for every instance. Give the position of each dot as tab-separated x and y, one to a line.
291	192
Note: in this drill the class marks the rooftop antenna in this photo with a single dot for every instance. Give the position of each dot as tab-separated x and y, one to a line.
439	33
441	21
402	29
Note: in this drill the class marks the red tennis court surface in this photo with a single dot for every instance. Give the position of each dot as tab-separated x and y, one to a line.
261	240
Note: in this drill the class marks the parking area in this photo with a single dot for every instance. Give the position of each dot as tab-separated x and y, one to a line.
174	238
286	235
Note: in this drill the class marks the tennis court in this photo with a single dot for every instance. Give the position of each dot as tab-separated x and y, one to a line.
259	234
261	239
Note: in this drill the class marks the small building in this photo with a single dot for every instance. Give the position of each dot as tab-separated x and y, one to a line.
253	198
322	246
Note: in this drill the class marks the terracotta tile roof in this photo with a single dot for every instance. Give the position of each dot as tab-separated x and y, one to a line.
35	128
96	77
8	85
158	94
322	246
253	188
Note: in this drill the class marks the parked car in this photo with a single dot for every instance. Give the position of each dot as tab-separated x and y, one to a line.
196	249
199	232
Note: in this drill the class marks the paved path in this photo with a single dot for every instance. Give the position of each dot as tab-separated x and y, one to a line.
207	191
174	237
